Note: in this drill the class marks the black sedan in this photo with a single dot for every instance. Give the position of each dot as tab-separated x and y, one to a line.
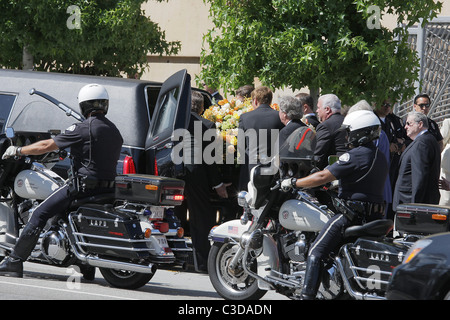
425	271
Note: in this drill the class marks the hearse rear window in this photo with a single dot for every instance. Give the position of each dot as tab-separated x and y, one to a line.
166	115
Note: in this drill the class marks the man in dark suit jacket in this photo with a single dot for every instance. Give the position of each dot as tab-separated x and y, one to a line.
422	104
418	179
200	179
290	115
307	103
263	122
330	140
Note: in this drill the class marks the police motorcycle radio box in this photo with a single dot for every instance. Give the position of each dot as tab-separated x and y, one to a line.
422	219
149	189
103	230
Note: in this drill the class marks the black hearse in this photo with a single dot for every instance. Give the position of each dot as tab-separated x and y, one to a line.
146	113
132	109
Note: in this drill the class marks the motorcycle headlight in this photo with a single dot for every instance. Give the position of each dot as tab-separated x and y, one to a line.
241	198
416	248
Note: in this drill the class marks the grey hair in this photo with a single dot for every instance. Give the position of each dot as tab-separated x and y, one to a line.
419	116
291	106
332	101
360	105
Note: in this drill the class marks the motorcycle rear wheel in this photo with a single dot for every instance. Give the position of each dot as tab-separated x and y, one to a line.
126	279
238	286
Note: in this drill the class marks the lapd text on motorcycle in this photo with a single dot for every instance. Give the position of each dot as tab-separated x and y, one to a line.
229	149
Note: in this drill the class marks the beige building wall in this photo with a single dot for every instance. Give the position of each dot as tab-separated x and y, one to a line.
187	21
182	20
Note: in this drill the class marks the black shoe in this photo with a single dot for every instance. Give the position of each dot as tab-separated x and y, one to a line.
11	267
88	272
202	269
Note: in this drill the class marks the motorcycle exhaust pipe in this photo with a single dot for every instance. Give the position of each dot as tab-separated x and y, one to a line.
112	264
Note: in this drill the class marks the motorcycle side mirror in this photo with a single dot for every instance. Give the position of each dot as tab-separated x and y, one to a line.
10	132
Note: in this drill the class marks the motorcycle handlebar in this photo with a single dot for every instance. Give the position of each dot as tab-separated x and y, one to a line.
276	186
53	156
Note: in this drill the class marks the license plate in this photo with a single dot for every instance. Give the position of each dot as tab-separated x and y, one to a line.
162	241
157	213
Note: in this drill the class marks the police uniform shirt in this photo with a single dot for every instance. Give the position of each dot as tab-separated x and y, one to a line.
98	159
362	172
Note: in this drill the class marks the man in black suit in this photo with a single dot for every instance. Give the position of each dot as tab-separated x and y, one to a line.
200	179
290	115
422	104
258	129
307	103
418	179
330	140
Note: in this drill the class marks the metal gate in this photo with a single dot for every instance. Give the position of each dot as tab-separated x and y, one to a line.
432	43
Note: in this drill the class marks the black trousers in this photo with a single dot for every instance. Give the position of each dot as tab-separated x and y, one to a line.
202	216
330	236
58	203
332	233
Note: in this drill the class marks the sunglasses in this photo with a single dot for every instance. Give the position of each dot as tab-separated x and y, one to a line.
424	105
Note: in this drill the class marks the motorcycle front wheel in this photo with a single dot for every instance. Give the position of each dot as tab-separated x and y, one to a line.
236	285
126	279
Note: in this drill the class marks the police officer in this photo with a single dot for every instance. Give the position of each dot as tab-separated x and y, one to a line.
361	172
95	145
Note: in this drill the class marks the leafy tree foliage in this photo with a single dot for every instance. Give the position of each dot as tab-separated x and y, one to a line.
334	45
111	37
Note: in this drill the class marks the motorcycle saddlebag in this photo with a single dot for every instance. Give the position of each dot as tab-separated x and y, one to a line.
102	230
149	189
423	219
373	261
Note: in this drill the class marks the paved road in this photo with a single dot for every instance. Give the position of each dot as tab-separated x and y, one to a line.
50	283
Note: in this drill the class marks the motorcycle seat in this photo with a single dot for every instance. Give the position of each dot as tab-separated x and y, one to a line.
102	198
375	228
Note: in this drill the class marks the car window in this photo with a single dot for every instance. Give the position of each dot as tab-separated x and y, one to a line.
151	98
6	103
166	116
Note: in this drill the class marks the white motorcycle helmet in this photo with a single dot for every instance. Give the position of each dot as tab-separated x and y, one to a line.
93	97
362	126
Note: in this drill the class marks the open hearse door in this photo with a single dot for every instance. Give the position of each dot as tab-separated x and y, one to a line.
172	112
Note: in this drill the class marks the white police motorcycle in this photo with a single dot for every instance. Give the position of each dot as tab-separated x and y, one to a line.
267	248
125	233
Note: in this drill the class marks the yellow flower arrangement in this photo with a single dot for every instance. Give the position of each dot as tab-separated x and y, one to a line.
226	114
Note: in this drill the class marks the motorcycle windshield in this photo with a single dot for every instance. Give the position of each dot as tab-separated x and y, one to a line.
299	146
41	116
297	153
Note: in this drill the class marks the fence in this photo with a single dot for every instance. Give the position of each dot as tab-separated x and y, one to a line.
432	43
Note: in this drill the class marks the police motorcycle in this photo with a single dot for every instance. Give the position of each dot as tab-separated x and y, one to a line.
125	233
267	248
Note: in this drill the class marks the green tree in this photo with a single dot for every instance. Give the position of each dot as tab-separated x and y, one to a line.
105	37
335	45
